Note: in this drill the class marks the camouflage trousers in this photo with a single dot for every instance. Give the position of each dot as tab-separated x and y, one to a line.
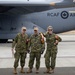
19	56
50	59
34	55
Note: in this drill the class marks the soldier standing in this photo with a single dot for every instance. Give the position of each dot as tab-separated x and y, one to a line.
20	44
37	48
51	52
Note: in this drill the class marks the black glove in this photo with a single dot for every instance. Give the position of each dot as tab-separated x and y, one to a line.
42	51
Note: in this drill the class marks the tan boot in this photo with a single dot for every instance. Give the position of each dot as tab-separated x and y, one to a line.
22	70
47	71
15	71
51	70
29	70
37	71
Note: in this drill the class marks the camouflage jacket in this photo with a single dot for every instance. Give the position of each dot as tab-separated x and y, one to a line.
35	43
20	43
51	40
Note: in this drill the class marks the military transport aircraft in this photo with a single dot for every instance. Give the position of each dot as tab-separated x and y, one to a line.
30	13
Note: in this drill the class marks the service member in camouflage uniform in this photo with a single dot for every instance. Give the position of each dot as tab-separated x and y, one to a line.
20	44
51	52
37	48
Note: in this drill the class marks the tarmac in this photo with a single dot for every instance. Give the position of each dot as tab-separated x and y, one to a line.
58	71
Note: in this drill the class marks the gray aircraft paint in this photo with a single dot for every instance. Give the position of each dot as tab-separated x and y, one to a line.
12	20
11	25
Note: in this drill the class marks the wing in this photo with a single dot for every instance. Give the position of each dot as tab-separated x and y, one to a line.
30	6
22	9
23	6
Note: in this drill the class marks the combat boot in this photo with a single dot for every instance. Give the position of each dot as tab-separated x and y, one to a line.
47	71
22	70
51	70
29	70
15	71
37	71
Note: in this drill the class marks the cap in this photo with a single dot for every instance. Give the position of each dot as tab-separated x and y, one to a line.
50	27
36	28
23	28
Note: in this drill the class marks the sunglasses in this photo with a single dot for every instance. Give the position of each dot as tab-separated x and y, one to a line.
50	30
35	30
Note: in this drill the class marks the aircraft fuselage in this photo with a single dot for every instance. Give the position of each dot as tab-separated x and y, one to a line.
61	20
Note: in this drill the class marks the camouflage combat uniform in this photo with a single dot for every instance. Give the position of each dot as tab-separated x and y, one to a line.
36	47
20	44
51	51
